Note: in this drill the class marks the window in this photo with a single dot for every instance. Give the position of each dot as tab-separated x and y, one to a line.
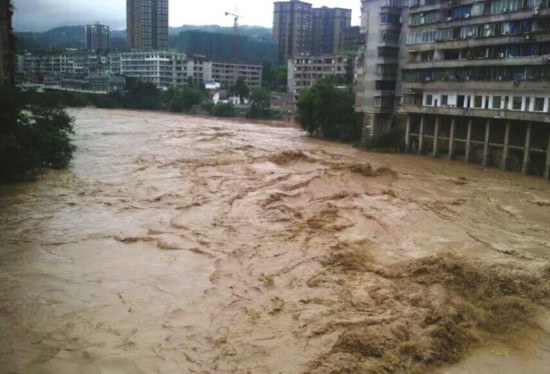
389	36
516	103
539	104
385	85
444	100
478	101
497	101
388	52
389	18
383	101
429	100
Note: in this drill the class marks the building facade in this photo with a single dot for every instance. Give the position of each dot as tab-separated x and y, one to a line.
328	28
97	37
7	44
292	24
304	71
352	39
469	79
147	24
378	63
163	69
228	73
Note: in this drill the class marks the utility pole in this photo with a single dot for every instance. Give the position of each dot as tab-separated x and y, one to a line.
235	34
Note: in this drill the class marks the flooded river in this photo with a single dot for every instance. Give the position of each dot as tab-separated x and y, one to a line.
177	244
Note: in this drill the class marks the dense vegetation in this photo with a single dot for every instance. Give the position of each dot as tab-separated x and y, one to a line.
327	110
34	134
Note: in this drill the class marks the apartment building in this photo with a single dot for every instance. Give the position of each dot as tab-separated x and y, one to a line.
469	79
147	24
378	63
352	39
292	21
228	73
328	30
66	64
163	69
304	71
97	37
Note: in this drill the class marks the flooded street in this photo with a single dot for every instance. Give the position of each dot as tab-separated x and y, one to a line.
176	244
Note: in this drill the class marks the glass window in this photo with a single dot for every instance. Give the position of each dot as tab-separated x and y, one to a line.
497	101
478	101
539	104
516	103
429	100
444	100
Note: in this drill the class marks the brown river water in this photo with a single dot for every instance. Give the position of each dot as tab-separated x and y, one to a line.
178	244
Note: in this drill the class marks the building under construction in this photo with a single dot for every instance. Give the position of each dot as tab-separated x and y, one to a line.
469	80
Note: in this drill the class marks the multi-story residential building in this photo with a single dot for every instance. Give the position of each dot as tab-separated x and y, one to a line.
97	37
292	23
352	39
147	24
377	66
7	44
228	73
163	69
328	27
304	71
65	64
469	79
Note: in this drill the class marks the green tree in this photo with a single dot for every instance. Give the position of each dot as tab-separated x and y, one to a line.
141	95
223	110
240	88
260	104
33	135
184	98
327	110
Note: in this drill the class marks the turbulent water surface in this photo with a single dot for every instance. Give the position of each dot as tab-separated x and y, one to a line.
179	244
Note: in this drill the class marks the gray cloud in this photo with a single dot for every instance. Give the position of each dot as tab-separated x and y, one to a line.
40	15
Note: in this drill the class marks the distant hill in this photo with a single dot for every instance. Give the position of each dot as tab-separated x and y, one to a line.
74	36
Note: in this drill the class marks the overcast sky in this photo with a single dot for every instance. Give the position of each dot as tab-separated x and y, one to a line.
41	15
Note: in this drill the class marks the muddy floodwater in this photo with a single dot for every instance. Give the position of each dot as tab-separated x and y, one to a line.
177	244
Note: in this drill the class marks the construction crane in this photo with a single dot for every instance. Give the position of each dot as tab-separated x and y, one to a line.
235	34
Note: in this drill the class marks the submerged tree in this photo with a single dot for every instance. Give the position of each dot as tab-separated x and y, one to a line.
327	110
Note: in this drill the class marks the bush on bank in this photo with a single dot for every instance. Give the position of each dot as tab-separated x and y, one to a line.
35	133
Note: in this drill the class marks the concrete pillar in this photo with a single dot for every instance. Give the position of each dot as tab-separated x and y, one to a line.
421	135
547	170
486	143
452	139
469	140
408	134
527	150
506	149
436	136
